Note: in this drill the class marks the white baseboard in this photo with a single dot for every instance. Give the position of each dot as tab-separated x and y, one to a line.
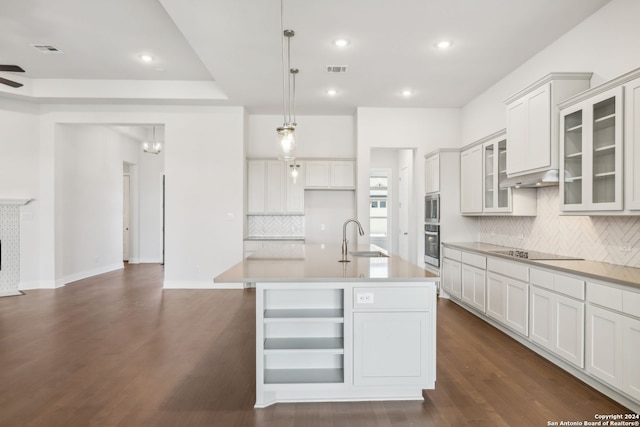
200	285
89	273
10	293
41	284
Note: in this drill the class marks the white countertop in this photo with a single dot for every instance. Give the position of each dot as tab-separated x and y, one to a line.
296	262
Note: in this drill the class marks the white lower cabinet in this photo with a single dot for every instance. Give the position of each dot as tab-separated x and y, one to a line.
508	302
604	345
388	348
557	323
613	342
473	286
452	277
631	350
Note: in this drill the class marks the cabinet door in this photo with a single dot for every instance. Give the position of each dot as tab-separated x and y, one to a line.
538	150
516	313
632	143
473	287
569	333
256	186
495	296
471	180
591	152
275	186
541	315
517	135
392	349
342	174
631	347
295	189
451	277
604	345
529	132
432	174
317	174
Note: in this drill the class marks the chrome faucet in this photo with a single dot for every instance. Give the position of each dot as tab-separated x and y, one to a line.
345	251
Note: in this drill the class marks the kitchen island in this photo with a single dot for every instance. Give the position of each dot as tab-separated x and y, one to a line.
339	331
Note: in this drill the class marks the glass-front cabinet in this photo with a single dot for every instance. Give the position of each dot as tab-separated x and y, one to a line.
496	199
591	153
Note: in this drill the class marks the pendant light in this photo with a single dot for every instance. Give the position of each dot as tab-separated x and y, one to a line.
153	146
287	132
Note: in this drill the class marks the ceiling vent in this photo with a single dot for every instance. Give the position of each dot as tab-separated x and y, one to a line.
336	68
46	48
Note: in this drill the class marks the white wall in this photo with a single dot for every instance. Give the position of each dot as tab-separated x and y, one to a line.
89	200
203	164
317	136
420	129
606	43
19	163
150	172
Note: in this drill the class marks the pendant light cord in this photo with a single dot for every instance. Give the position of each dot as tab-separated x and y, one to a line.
284	64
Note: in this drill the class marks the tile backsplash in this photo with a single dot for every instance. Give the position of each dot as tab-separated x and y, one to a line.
10	240
597	238
275	225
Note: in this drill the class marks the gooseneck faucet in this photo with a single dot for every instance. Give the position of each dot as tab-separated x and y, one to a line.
345	251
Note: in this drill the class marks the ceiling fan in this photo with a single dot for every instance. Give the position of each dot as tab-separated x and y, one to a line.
13	69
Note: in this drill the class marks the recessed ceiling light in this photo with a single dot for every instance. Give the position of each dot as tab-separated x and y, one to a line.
407	92
332	92
341	42
146	58
444	44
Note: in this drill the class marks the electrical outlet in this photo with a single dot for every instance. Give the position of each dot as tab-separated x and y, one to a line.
322	227
625	248
364	298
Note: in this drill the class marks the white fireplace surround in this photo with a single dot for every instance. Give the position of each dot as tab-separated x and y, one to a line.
10	238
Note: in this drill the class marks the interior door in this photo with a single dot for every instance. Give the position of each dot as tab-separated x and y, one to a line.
125	217
403	214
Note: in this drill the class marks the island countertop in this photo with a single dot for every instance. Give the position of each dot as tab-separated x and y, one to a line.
297	262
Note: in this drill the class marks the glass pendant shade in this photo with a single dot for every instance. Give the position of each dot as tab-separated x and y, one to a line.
152	147
287	139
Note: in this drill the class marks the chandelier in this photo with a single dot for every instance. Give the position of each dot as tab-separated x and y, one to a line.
287	132
153	146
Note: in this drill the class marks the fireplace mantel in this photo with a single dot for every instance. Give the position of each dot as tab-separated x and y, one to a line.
15	202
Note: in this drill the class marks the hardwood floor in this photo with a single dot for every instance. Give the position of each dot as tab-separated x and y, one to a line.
117	350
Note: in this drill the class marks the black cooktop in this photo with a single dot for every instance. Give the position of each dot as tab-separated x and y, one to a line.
534	255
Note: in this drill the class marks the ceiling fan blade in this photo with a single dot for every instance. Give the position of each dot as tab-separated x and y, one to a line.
10	83
12	68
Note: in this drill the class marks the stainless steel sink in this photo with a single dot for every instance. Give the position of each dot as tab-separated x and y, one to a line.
369	254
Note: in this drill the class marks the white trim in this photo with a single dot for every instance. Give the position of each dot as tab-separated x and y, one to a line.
200	285
88	273
10	294
38	284
19	202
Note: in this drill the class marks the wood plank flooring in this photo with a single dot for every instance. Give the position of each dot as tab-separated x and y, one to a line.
117	350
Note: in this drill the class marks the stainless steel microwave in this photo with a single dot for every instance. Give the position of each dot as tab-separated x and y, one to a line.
432	208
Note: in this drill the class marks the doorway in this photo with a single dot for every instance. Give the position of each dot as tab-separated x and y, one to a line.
126	214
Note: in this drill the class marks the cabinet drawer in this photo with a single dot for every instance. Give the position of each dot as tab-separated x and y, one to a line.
475	260
569	286
557	282
453	254
516	270
605	296
542	278
631	303
391	298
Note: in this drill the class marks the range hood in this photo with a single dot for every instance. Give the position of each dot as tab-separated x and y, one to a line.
535	180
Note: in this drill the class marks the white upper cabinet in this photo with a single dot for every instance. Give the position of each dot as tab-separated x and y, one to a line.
591	152
632	142
330	175
482	170
432	174
271	188
471	180
532	122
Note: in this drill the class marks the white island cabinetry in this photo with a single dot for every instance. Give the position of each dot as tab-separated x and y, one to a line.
339	331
